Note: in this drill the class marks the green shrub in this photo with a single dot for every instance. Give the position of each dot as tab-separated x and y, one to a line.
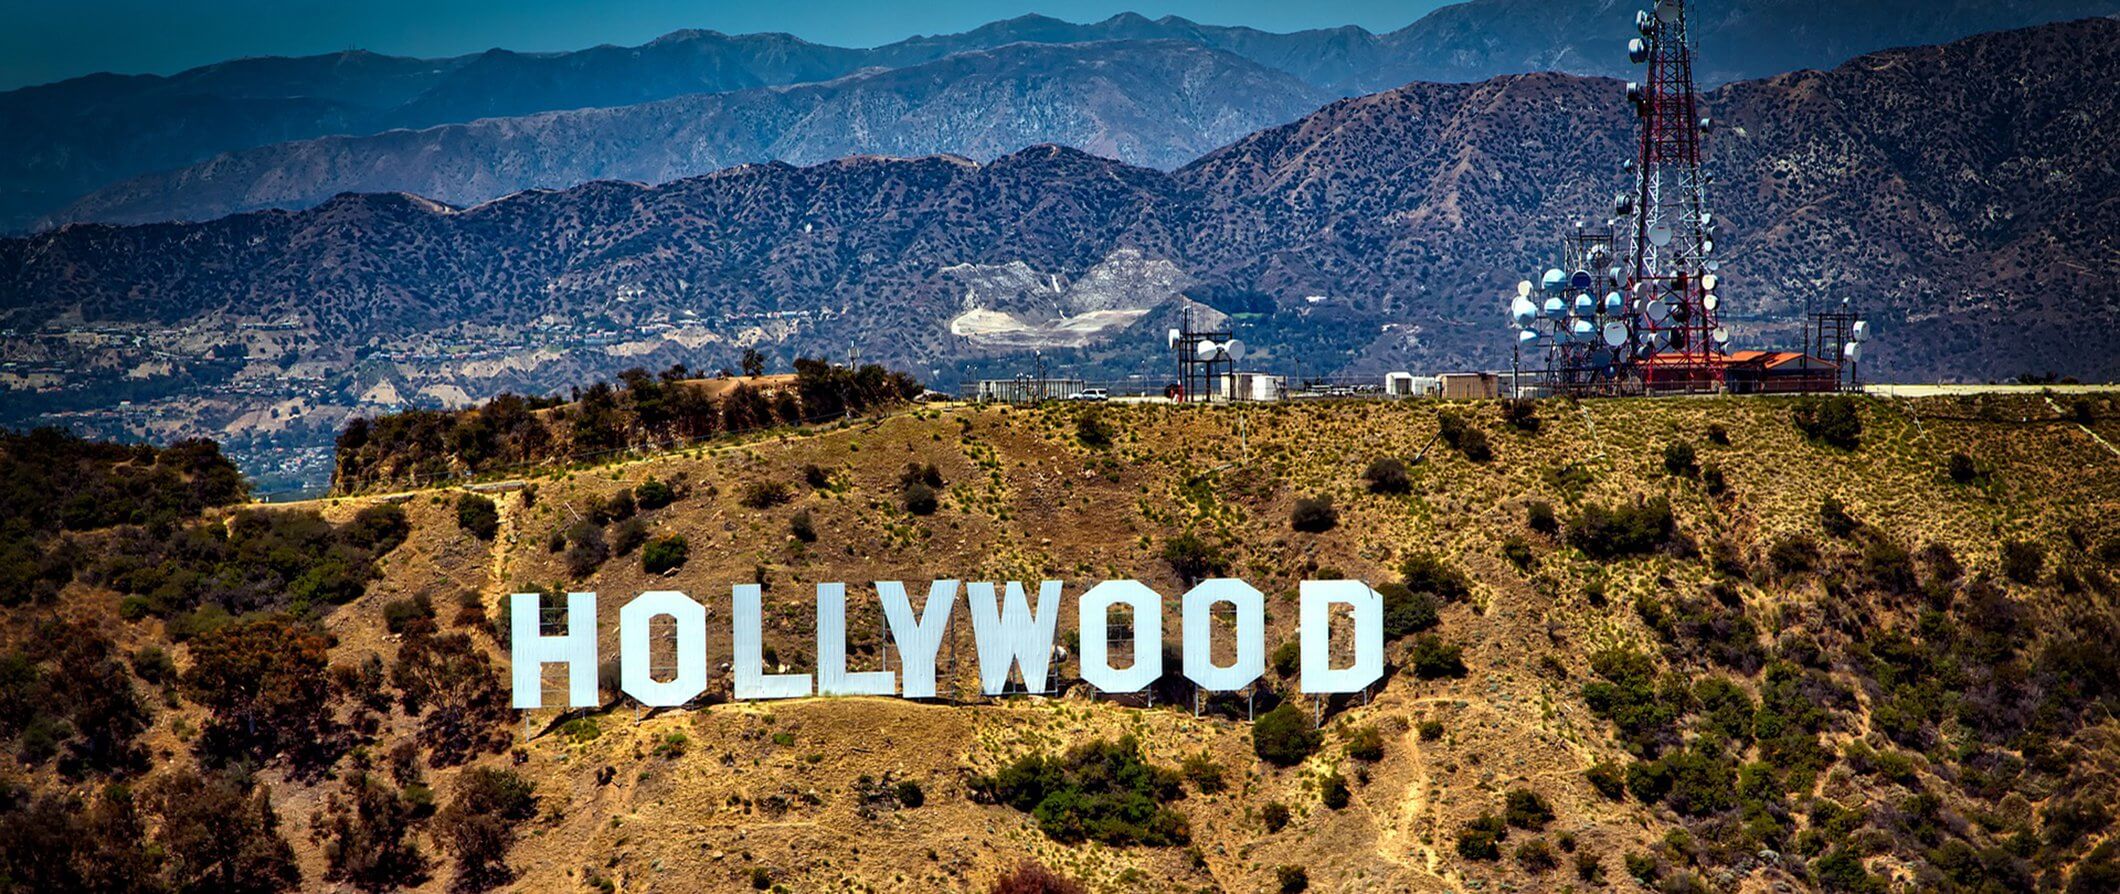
1405	612
654	494
1314	515
1525	809
1091	430
1287	658
1481	838
1679	459
802	527
1365	743
1835	421
1718	435
2022	561
1274	815
1608	779
401	616
816	477
1962	469
1201	770
477	516
628	535
1518	551
920	499
763	495
1462	437
1834	518
1098	791
1192	558
1712	480
1388	475
1429	573
1433	658
1623	530
665	553
1538	516
1333	792
1589	868
1522	414
1431	730
909	793
1291	879
1536	856
1284	736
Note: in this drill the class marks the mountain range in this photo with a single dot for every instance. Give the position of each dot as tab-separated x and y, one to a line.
72	139
1961	195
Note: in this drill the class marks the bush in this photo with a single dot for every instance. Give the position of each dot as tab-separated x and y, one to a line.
1387	475
1333	793
1429	573
1679	460
586	550
765	494
1467	440
1092	432
1538	516
1536	856
1834	517
1314	515
1365	743
1624	530
628	536
1718	435
1608	779
1525	809
1434	659
664	554
1028	878
816	477
1291	879
1481	838
1274	815
1098	791
1712	480
1286	658
1284	736
1521	413
1962	469
1518	551
1430	730
2022	561
909	793
477	516
1405	611
401	616
920	499
1202	771
654	494
1835	421
479	825
1192	558
802	527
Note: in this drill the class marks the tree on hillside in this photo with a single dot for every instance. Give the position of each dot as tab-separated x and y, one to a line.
220	833
264	680
753	363
479	825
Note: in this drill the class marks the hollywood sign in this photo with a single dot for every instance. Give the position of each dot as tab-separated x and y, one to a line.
1008	630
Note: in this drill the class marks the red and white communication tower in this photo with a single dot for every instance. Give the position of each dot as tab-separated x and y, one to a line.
1667	216
1632	308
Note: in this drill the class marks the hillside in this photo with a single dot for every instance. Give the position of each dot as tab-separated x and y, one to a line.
65	140
1157	104
1880	668
1958	194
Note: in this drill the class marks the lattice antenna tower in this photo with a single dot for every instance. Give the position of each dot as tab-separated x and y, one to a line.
1672	231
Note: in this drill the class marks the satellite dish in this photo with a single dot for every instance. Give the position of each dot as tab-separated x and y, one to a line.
1173	339
1852	351
1585	305
1634	92
1580	279
1556	308
1235	348
1523	311
1713	265
1207	350
1615	334
1667	10
1643	22
1707	246
1554	280
1658	311
1637	52
1678	339
1706	218
1722	335
1527	336
1708	282
1614	304
1710	302
1623	205
1523	288
1598	256
1614	274
1583	330
1660	235
1860	331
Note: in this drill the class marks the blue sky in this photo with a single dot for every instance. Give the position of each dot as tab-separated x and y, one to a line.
48	40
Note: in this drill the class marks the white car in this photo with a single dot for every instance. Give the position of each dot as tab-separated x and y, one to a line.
1090	394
